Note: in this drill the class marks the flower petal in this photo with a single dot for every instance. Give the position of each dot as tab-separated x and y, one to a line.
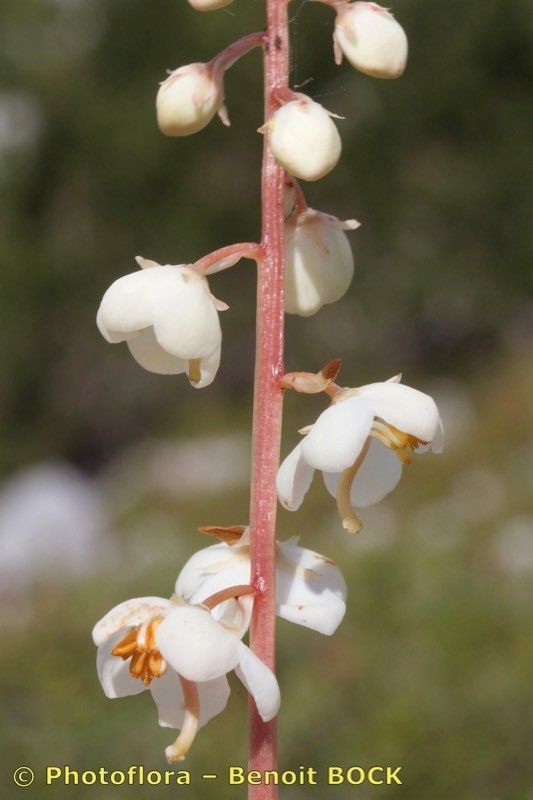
212	569
195	645
208	369
128	614
113	672
126	305
409	410
185	319
168	697
310	589
377	476
337	437
437	443
260	682
320	264
147	352
294	479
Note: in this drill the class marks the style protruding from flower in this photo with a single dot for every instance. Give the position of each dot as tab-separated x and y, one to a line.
360	444
189	98
371	39
310	588
182	654
209	5
319	260
304	139
169	319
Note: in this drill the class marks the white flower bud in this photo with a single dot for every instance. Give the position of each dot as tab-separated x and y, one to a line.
209	5
371	39
188	100
319	261
304	139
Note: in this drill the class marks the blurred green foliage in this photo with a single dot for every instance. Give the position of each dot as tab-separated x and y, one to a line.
431	668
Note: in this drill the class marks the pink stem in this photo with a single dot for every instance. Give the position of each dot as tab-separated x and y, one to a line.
227	57
268	395
226	257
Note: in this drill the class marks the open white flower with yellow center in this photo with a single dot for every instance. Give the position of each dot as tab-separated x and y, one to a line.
182	655
310	588
169	319
319	260
360	444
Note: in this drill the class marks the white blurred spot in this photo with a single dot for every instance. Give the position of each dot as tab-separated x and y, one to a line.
513	545
181	470
21	120
52	527
477	494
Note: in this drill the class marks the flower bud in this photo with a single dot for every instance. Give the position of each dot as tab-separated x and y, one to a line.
304	139
319	261
209	5
371	39
188	100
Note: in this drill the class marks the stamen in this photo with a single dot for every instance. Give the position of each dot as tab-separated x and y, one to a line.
139	645
191	722
194	374
127	646
157	665
137	663
142	634
402	444
350	521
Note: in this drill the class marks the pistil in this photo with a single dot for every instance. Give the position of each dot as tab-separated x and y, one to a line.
350	521
191	723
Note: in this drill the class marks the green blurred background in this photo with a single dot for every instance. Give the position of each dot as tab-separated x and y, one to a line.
107	469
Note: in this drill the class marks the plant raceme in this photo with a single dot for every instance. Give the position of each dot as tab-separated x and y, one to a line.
181	649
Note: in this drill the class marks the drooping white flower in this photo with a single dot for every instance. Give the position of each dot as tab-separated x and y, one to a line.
310	588
360	443
169	319
209	5
189	99
371	39
182	655
304	139
319	261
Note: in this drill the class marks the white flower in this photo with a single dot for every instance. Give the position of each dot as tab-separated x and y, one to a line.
209	5
168	318
319	261
310	588
360	443
182	655
189	99
371	39
304	139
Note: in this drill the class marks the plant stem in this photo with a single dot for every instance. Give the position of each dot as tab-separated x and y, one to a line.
267	414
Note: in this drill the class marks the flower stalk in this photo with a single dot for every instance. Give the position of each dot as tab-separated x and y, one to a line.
268	396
